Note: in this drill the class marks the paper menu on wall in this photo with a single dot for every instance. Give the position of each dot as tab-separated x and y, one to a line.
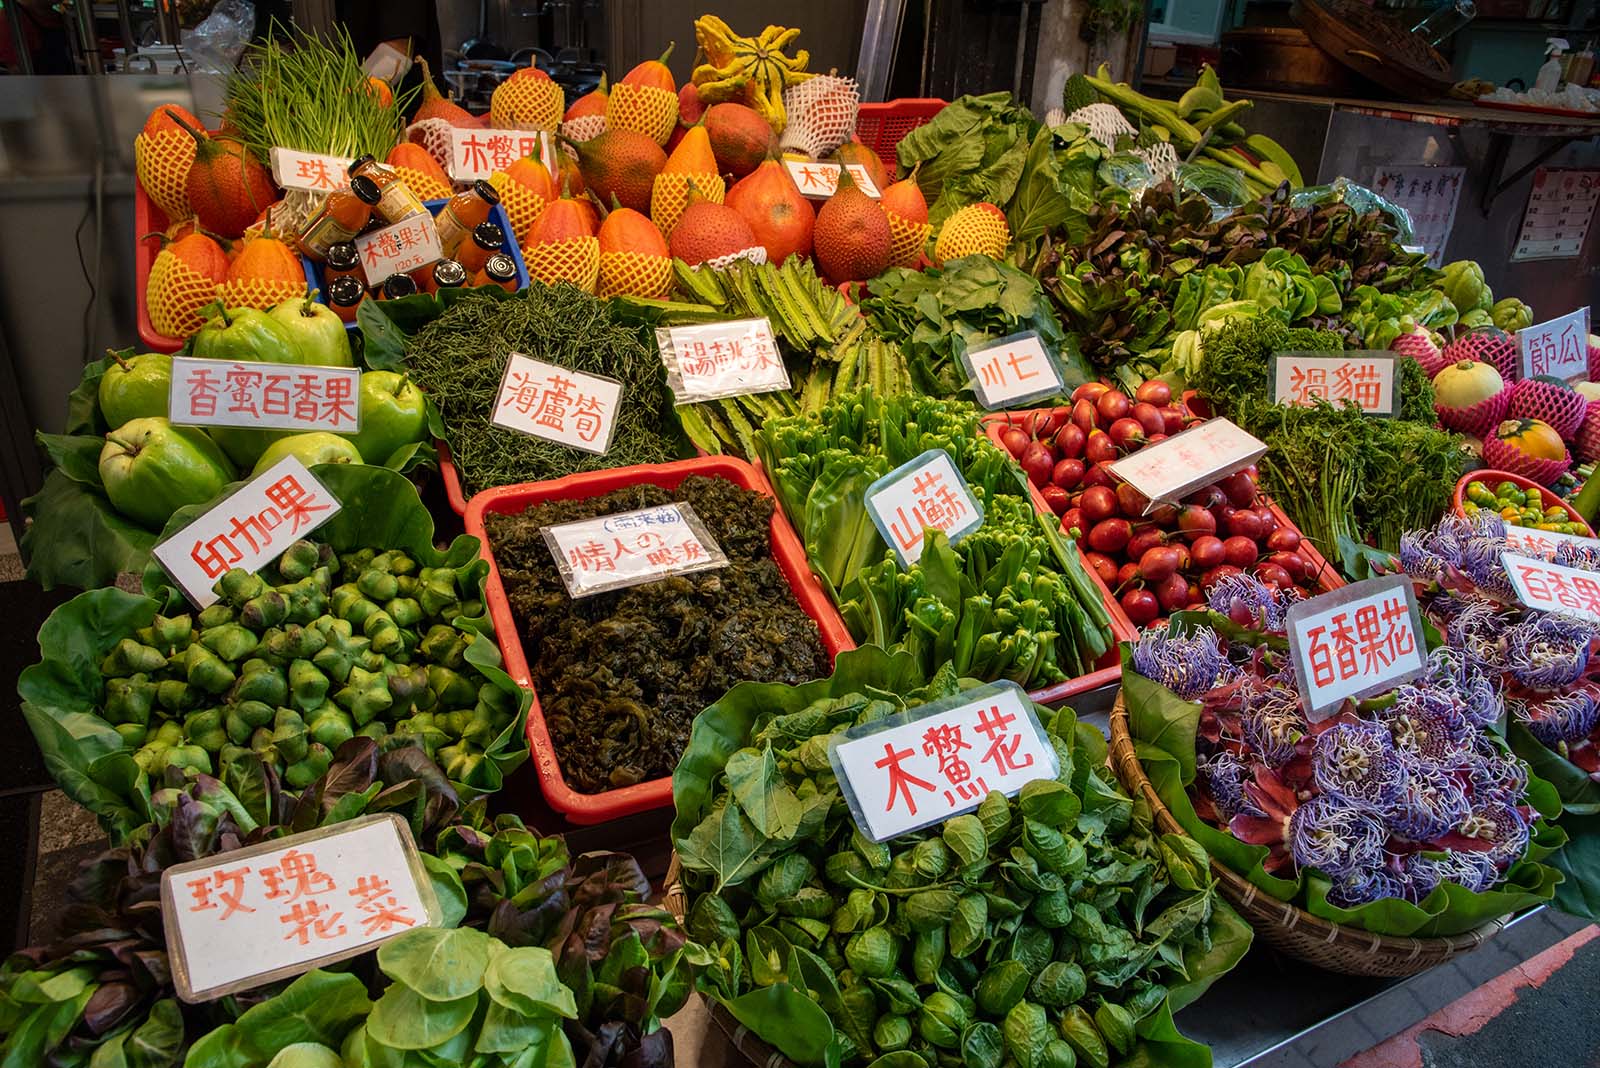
1430	195
1560	208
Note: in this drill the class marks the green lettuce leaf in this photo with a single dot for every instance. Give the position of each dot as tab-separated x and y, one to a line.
77	539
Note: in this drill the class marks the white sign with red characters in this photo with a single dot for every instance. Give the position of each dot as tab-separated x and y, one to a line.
927	493
715	360
1528	540
399	249
1012	371
939	760
818	180
1554	587
568	407
308	171
268	395
244	918
476	153
1559	348
631	548
250	527
1304	378
1358	640
1199	456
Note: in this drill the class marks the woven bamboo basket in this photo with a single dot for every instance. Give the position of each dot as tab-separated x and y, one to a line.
757	1052
1289	928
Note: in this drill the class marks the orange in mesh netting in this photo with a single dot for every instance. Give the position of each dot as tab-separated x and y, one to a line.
426	186
575	260
162	162
522	204
260	293
634	274
645	108
174	295
907	239
670	196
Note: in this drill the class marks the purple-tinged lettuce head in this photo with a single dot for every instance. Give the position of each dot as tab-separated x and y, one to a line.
1358	764
1336	838
1548	651
1188	665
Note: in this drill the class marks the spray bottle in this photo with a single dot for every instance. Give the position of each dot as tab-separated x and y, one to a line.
1548	79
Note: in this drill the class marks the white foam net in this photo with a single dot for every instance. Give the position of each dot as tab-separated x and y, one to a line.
822	114
756	254
1161	158
433	135
1105	123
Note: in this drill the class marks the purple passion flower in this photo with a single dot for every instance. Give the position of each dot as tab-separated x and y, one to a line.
1357	763
1431	802
1477	632
1364	887
1494	773
1568	717
1188	665
1272	723
1427	721
1223	777
1582	557
1500	827
1548	651
1335	838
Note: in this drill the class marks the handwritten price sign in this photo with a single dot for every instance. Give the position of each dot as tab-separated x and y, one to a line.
569	407
631	548
265	395
1013	371
941	759
1304	378
715	360
1171	469
311	172
477	153
1553	587
927	493
249	528
1356	641
1559	348
399	249
817	181
250	916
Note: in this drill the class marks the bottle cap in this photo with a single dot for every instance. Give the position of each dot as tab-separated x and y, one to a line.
366	189
345	292
399	285
486	191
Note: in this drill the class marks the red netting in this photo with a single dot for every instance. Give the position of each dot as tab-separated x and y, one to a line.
1560	406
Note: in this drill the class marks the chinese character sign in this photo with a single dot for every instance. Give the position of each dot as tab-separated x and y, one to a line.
477	153
568	407
1559	347
249	528
927	493
941	759
1554	587
818	180
399	249
1366	378
1430	195
266	395
311	172
631	548
1013	371
1560	209
246	917
1358	640
1530	541
715	360
1185	462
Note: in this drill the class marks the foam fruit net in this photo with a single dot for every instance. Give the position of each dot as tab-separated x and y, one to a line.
822	114
1589	433
576	260
433	135
522	204
174	295
634	274
525	105
162	162
670	196
260	292
969	232
1562	408
907	240
1505	457
1477	419
583	128
651	111
1493	348
755	254
426	186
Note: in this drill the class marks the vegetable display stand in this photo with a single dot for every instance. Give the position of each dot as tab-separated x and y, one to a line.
1292	930
881	126
787	553
1491	478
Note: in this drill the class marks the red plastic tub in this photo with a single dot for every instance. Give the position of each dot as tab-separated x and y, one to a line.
1328	577
787	553
881	126
1490	478
148	218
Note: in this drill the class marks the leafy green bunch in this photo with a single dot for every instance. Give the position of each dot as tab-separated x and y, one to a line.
1052	929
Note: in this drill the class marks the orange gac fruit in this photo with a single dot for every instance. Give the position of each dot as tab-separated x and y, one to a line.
691	162
380	90
779	215
562	247
634	260
163	152
907	210
185	277
420	170
528	99
525	188
645	101
586	118
266	272
853	151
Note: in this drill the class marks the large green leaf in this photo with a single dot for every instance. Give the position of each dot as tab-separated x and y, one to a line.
1580	795
1579	862
83	403
788	1021
317	1007
75	455
76	538
441	964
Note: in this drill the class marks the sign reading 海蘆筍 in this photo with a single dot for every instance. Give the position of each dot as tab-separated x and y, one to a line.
1559	348
247	917
399	249
271	396
1356	641
927	492
246	529
1553	587
568	407
1012	371
727	359
1366	378
1189	460
631	548
941	759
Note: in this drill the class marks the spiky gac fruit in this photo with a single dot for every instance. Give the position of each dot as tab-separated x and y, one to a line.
977	229
781	218
435	117
854	152
528	100
621	164
184	278
525	188
740	137
562	247
421	171
227	186
586	118
852	239
907	210
162	155
634	260
711	233
690	163
645	101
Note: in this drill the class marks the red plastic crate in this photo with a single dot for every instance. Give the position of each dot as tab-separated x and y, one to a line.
787	553
881	126
1328	577
148	218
